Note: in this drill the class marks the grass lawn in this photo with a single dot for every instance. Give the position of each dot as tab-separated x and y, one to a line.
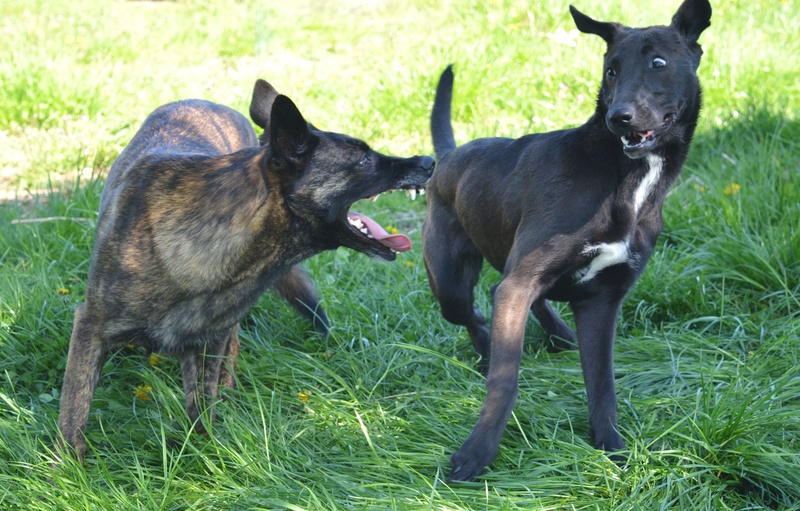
708	375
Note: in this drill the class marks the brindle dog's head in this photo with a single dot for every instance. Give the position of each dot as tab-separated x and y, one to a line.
322	174
649	80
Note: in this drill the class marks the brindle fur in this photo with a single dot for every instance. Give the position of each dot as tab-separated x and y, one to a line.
197	219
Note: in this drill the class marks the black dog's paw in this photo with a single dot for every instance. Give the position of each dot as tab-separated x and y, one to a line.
614	447
469	461
619	459
463	470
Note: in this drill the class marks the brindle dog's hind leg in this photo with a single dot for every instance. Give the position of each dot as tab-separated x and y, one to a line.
87	352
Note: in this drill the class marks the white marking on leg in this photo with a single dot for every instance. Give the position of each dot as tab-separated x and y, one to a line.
608	254
656	164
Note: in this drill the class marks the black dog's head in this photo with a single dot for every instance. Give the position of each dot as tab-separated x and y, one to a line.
650	94
322	174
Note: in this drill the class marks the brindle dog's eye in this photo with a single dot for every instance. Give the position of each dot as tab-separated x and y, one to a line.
658	63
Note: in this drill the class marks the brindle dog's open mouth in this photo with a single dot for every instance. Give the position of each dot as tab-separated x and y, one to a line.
645	139
372	230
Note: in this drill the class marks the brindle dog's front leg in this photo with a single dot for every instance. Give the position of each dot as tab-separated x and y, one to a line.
596	319
228	372
200	368
87	352
513	299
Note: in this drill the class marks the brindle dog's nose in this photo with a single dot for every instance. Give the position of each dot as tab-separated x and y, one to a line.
427	163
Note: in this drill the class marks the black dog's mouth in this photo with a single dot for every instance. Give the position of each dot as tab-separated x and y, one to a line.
373	238
637	140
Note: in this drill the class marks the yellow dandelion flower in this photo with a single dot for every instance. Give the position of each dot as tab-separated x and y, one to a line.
154	359
303	396
732	189
62	291
143	392
392	230
700	188
408	264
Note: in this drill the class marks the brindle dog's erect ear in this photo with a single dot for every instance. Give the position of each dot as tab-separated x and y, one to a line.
692	18
587	25
290	139
264	95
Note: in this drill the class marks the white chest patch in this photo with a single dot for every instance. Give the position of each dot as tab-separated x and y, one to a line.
656	165
609	254
606	254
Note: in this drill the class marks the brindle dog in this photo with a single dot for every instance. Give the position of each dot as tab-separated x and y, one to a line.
197	220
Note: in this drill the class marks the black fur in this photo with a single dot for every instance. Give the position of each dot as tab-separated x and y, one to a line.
570	215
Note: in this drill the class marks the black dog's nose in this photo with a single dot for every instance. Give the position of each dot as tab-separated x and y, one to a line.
621	117
427	163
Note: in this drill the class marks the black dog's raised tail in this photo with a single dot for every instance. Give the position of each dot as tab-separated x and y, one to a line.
441	128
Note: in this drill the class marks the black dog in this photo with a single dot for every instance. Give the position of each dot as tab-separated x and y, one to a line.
570	215
197	221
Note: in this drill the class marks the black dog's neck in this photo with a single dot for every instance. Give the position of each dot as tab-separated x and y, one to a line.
642	183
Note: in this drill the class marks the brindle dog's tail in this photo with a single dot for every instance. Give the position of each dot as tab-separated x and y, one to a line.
441	128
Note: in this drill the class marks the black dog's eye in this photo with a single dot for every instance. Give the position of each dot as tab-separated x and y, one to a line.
610	72
658	63
365	160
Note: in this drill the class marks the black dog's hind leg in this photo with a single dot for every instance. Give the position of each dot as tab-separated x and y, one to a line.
454	264
561	337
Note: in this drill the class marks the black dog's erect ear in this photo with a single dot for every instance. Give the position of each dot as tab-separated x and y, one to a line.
264	95
692	18
587	25
289	137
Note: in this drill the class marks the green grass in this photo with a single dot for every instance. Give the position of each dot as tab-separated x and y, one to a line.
707	352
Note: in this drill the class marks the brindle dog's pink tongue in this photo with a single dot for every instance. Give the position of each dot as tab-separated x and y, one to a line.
397	242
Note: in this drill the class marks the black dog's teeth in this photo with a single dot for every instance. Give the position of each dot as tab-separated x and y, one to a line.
637	138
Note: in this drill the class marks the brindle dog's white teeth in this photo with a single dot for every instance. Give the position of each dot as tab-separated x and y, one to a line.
412	192
421	191
357	223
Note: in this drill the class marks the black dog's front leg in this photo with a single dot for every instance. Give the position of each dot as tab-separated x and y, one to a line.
513	299
596	319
